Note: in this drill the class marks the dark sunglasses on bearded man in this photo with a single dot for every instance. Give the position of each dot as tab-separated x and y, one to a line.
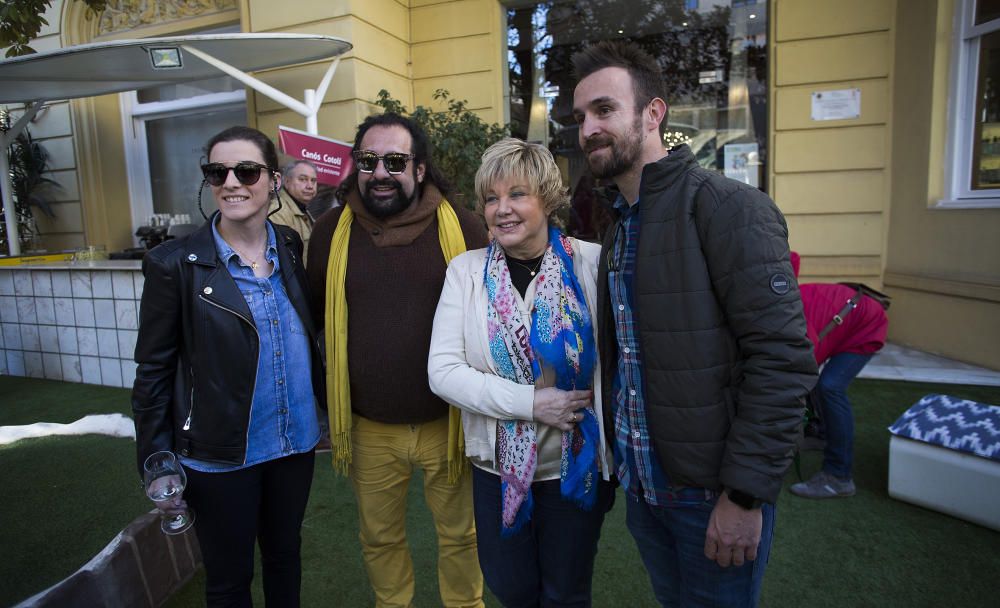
394	162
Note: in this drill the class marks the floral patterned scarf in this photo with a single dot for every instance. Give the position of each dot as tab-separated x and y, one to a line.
560	338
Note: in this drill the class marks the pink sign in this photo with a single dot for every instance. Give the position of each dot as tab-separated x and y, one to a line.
332	158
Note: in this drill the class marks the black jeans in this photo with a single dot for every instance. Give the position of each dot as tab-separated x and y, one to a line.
263	503
550	561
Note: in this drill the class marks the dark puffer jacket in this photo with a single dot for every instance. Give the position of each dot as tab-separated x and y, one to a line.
726	360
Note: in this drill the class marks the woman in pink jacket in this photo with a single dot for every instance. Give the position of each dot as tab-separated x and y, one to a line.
845	350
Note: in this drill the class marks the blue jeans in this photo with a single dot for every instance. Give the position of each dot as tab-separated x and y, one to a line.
671	541
550	561
837	417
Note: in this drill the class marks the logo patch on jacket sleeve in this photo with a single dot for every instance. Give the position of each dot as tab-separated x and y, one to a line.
779	283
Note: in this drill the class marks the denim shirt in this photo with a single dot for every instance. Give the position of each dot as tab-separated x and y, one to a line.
637	465
283	412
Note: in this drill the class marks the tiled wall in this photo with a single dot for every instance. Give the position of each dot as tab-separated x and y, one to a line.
76	325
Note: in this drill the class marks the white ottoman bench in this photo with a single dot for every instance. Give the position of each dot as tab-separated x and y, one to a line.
944	454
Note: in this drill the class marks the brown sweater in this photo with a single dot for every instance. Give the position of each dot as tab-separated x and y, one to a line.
392	294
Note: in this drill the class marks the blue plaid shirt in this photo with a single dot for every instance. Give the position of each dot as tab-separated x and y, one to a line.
283	412
636	463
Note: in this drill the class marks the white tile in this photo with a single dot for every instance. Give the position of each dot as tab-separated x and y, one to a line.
91	368
26	310
22	283
33	365
124	288
126	343
11	336
67	341
104	313
111	372
84	312
29	337
52	366
15	363
128	373
64	311
86	338
71	368
107	342
81	284
45	311
48	335
6	283
125	314
41	282
101	282
8	309
138	280
61	284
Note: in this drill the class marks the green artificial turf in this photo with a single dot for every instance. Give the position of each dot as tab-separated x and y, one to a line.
73	494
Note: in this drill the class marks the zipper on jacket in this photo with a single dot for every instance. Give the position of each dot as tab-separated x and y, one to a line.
254	391
187	423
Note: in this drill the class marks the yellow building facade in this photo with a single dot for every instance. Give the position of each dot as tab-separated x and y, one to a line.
862	195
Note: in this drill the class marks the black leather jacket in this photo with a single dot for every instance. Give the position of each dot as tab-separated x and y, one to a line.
197	348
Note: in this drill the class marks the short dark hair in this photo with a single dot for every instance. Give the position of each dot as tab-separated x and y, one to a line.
647	78
420	148
263	143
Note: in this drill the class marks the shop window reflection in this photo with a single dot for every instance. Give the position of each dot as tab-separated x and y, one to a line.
714	59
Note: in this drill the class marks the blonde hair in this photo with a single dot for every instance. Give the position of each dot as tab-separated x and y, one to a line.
533	163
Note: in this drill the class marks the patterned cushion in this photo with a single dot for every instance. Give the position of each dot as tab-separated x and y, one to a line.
954	423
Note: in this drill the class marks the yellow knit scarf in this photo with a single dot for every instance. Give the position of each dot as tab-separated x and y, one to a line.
338	384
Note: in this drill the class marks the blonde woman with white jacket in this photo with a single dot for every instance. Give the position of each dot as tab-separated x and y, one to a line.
514	347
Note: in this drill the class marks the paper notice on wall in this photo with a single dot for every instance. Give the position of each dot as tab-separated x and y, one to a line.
841	104
742	163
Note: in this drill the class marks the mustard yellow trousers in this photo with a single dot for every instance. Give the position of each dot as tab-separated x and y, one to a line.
383	460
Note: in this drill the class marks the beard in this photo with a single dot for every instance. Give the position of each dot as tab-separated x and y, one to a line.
386	207
624	152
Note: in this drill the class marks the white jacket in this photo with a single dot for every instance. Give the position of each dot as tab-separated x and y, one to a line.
461	370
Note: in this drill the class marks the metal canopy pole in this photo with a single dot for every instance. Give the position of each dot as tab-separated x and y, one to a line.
313	99
9	211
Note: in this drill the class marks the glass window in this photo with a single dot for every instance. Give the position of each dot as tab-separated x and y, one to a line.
175	146
986	153
186	90
973	152
713	54
987	10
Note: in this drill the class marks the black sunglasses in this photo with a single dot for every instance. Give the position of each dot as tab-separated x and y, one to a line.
247	172
394	162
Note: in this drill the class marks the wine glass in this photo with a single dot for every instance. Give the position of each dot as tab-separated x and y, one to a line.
164	479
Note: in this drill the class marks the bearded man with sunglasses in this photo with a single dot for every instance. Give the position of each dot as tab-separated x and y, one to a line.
376	267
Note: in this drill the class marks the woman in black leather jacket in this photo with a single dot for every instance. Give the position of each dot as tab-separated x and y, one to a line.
228	374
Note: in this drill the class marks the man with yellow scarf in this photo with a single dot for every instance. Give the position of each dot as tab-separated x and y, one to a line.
382	256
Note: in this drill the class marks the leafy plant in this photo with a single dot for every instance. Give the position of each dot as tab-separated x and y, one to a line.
458	134
21	20
28	161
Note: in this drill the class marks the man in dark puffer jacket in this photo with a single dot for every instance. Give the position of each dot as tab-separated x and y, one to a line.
703	341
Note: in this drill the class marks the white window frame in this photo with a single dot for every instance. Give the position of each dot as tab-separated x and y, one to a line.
961	113
134	117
